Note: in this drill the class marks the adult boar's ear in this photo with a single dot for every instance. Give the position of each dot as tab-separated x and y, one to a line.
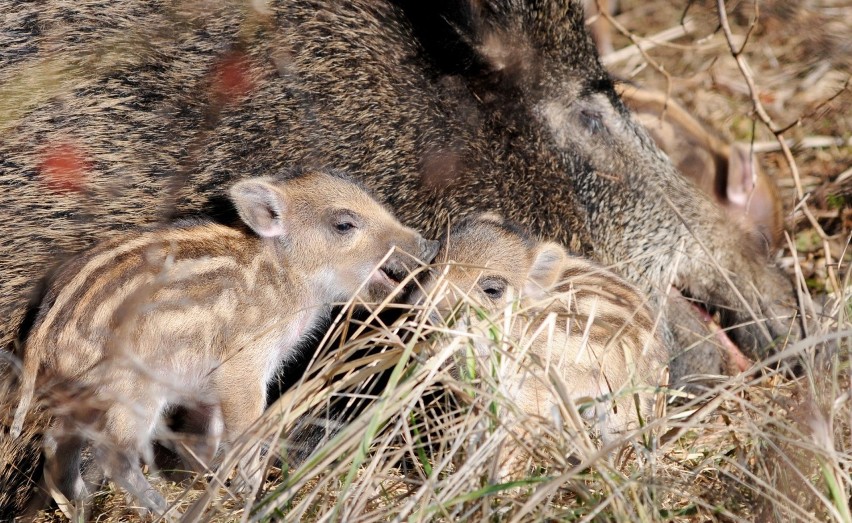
261	205
498	42
546	269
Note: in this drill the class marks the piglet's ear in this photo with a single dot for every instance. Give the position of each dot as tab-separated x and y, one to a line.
546	269
261	205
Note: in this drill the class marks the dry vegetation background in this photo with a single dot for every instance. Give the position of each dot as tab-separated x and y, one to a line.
761	446
799	56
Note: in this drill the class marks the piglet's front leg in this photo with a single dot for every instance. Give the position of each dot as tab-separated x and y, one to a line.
243	399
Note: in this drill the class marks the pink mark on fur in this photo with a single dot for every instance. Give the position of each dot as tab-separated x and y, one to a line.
63	168
232	80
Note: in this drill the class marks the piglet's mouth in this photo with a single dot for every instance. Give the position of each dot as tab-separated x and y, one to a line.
392	274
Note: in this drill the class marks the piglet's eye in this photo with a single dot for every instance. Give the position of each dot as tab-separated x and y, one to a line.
493	293
344	227
344	222
493	288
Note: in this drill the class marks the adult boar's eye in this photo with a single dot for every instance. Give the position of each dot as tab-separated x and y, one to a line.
592	121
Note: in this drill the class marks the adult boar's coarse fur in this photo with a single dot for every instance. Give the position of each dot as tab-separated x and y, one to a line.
115	114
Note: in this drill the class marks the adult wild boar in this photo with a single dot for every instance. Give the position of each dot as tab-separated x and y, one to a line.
116	114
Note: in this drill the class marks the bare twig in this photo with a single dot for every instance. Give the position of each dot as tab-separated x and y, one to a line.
809	142
798	121
650	42
635	41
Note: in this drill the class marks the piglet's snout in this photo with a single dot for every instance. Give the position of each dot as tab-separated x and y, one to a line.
428	249
415	251
403	261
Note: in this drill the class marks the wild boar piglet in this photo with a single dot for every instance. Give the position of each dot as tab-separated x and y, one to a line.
573	321
200	314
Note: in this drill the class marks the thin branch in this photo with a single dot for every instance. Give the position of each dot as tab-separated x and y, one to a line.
798	121
635	41
650	42
809	142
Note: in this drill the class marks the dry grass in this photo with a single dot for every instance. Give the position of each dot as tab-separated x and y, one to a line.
756	447
798	57
760	446
430	444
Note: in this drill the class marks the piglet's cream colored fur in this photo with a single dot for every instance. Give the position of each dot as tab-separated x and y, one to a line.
200	314
573	321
